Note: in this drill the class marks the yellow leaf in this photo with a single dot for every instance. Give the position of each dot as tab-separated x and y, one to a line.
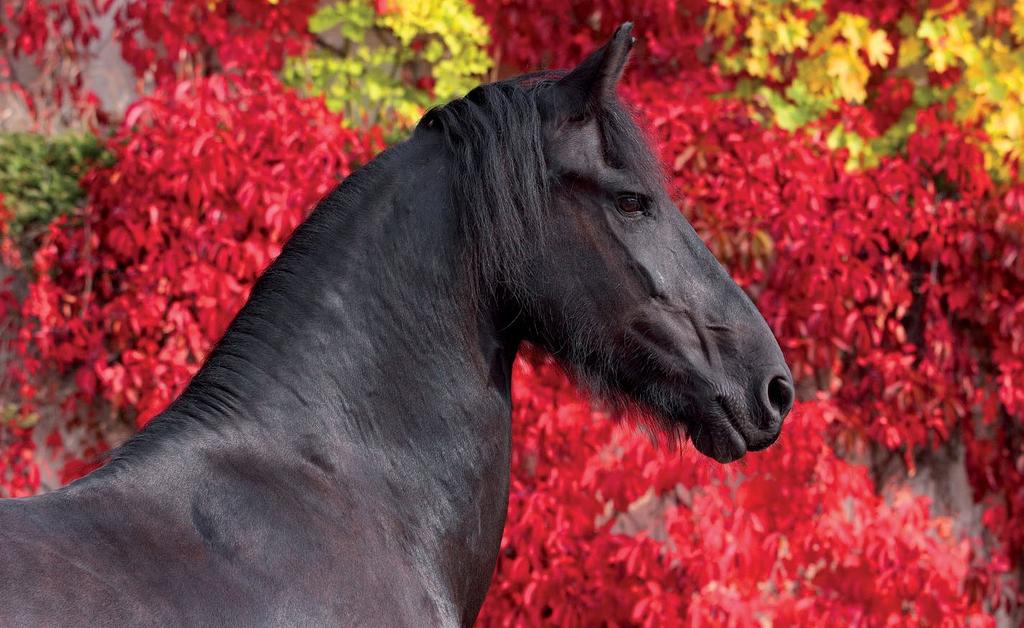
879	48
911	51
720	23
755	30
785	41
823	39
1011	123
939	60
796	33
812	72
850	74
1017	27
853	28
757	64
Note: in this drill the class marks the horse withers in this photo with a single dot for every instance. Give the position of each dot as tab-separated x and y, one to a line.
342	457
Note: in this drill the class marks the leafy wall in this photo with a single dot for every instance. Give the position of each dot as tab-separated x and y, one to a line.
854	164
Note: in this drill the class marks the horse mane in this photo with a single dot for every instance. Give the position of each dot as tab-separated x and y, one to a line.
499	180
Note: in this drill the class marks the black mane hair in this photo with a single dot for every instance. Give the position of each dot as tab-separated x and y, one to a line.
500	184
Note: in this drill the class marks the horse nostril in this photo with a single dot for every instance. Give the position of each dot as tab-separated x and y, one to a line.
780	396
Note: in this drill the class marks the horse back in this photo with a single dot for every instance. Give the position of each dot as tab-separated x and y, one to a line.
69	560
103	556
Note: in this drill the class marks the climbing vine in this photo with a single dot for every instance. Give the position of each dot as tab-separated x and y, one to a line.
855	165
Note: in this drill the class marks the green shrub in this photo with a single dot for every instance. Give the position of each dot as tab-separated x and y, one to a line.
39	176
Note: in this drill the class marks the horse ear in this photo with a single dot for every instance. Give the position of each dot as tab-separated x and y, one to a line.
595	78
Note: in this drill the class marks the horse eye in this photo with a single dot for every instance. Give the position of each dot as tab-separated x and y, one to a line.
630	203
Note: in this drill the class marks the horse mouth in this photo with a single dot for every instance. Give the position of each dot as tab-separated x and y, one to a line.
718	435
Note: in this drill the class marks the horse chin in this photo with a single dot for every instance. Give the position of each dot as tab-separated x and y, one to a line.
710	427
715	429
717	438
712	434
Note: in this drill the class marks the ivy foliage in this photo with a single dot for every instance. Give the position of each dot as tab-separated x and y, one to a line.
892	288
816	62
389	64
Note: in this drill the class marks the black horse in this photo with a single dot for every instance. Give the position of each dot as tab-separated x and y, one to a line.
343	455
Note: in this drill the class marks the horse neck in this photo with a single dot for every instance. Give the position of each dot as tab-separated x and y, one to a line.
359	349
